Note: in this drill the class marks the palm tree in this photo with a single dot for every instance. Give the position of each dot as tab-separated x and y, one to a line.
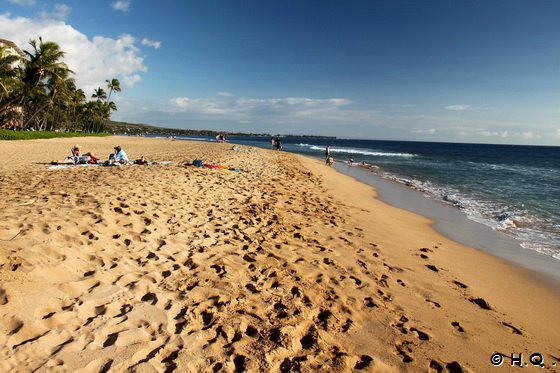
10	88
43	74
113	85
77	99
99	94
9	73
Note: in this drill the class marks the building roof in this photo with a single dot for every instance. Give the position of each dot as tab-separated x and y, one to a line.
12	45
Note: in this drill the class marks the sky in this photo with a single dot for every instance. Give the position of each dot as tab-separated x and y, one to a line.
483	71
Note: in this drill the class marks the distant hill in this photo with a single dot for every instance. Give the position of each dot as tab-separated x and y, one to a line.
124	128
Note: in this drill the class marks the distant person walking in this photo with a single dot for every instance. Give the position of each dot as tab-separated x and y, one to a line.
327	153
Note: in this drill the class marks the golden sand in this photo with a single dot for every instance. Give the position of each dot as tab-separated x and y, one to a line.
284	266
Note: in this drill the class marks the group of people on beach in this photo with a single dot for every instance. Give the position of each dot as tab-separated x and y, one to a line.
117	157
329	160
276	143
221	138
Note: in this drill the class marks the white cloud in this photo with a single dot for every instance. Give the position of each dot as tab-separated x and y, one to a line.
130	80
277	109
458	107
151	43
225	94
403	106
23	2
429	131
59	12
557	135
530	135
93	60
122	5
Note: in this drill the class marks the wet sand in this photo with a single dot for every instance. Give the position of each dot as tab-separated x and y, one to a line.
287	265
454	223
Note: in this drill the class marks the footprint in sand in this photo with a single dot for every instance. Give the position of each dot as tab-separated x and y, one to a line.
3	297
364	362
425	250
457	326
357	281
512	328
362	264
150	298
420	334
310	339
432	267
460	284
111	339
9	324
369	302
481	303
439	367
433	303
404	350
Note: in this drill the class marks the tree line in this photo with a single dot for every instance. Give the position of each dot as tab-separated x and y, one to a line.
38	92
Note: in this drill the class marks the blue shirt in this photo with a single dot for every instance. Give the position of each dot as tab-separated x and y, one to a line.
121	156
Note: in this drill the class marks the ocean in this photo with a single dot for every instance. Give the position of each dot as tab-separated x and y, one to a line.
512	189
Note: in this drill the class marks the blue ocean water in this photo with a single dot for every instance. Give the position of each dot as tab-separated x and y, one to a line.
513	189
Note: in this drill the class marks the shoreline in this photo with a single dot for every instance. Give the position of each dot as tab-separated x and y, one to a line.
454	224
287	264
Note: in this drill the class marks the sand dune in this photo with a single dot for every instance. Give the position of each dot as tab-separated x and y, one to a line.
284	266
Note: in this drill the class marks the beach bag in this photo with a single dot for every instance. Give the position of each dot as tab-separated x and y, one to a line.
197	163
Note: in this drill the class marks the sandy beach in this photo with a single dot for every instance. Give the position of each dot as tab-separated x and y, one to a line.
285	266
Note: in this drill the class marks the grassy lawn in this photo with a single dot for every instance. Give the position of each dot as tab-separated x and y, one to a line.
31	135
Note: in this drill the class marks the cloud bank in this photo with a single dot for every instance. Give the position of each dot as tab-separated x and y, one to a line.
22	2
93	60
226	106
458	107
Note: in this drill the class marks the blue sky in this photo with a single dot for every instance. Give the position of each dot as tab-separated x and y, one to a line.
430	70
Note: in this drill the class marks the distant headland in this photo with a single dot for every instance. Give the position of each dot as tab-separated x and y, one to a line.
137	129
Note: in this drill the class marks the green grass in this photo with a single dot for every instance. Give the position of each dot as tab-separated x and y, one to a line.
32	135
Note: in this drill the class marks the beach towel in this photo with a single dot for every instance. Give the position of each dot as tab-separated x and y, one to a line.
199	163
116	164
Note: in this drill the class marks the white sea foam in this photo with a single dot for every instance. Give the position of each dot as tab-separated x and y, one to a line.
530	231
357	151
193	138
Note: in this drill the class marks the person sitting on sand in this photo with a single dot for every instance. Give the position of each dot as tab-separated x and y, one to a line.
76	157
142	161
120	156
330	161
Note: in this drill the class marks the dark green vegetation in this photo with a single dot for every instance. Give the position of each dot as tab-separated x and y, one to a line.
38	92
